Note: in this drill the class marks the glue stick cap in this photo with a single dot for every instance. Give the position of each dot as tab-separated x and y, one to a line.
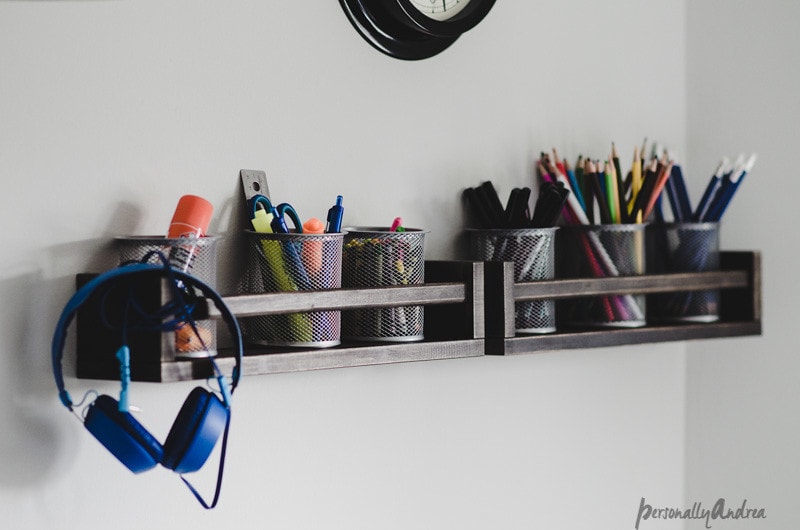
191	218
313	226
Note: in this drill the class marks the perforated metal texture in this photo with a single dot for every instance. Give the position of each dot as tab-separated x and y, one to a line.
195	256
684	247
293	262
532	250
599	251
380	258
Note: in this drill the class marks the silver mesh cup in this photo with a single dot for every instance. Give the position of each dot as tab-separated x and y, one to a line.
683	247
195	256
598	251
532	250
293	262
376	257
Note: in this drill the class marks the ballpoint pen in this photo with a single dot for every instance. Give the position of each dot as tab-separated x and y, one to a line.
335	215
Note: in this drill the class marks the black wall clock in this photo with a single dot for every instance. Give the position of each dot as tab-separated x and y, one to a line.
414	29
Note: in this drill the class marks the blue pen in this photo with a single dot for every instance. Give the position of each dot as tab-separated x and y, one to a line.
335	215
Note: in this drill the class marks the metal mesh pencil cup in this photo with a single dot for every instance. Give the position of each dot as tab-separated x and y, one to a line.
293	262
377	257
532	250
598	251
195	256
683	247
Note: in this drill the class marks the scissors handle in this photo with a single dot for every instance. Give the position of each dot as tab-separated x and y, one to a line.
254	201
279	225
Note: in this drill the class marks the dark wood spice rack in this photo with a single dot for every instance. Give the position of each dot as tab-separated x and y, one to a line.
454	328
739	281
469	312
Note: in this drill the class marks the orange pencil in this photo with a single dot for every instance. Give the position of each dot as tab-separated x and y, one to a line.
661	180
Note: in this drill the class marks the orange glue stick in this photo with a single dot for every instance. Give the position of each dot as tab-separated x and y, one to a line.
190	220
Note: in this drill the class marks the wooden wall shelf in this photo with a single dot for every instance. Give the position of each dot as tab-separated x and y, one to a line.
454	328
468	313
739	281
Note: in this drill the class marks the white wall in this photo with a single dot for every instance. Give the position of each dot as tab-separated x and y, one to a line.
109	111
743	408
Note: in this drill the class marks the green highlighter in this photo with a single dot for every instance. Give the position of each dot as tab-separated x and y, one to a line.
273	254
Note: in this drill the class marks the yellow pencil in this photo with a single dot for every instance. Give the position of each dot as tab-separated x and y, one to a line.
636	182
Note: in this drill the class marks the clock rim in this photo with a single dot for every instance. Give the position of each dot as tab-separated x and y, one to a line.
390	36
464	20
447	13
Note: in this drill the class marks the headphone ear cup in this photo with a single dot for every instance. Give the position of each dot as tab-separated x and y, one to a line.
199	424
121	434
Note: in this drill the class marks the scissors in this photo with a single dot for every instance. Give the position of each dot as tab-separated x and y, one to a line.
278	223
278	213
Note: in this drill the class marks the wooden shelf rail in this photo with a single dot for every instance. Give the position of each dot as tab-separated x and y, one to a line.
469	312
739	281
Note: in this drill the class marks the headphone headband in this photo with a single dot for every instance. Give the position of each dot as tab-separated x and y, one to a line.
104	281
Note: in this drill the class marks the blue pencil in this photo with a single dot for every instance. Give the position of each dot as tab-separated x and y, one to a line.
716	211
576	188
682	193
674	201
722	187
711	189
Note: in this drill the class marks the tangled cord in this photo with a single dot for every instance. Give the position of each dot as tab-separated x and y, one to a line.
178	311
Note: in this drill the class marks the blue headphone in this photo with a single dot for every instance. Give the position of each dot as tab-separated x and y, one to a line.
202	419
